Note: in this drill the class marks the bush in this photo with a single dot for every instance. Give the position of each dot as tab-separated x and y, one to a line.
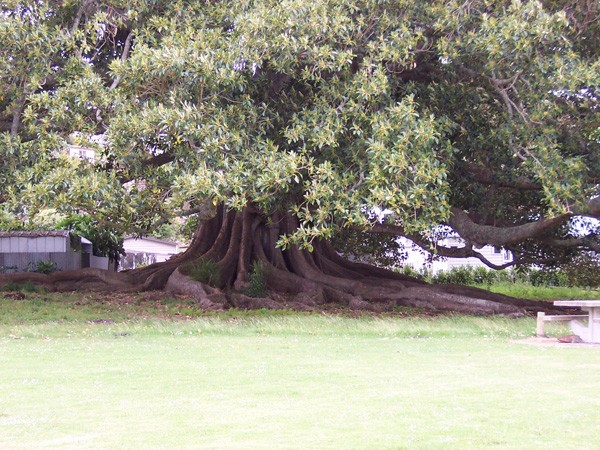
547	277
584	271
42	267
257	281
205	271
8	269
481	275
28	286
456	275
409	271
586	274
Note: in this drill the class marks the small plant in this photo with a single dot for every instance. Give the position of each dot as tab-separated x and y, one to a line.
42	267
481	275
28	286
409	271
205	271
257	281
8	269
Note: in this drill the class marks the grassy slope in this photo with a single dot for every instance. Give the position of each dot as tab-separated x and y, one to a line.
282	380
541	292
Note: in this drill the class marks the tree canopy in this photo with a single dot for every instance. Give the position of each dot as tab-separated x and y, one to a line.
480	115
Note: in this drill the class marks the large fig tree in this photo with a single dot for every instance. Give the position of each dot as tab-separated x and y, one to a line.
280	125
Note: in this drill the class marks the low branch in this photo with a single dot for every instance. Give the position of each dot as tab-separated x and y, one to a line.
155	161
500	236
446	252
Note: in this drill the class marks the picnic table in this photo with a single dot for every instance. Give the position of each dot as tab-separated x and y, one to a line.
591	331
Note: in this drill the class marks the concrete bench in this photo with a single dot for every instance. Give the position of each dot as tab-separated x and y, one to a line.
542	318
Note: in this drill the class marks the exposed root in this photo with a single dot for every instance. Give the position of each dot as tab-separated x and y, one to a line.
295	278
84	279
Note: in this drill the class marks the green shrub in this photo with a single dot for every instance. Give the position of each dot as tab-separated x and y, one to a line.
456	275
409	271
481	275
205	271
257	281
28	286
42	267
8	269
584	271
547	277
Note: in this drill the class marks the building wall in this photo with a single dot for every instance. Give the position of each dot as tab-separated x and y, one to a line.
21	262
14	244
145	251
144	245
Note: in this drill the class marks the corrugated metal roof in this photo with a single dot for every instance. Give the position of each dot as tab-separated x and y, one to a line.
34	234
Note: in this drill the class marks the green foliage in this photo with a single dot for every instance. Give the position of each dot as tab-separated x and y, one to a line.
378	249
548	278
456	275
583	271
45	267
205	271
27	286
409	271
586	276
527	290
46	219
9	221
412	107
7	269
257	286
106	240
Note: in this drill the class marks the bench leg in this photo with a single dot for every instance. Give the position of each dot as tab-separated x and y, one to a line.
539	327
581	330
594	326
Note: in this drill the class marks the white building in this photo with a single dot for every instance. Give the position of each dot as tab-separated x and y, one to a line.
420	259
145	251
87	153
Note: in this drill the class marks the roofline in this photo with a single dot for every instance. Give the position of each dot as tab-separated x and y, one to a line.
36	233
160	241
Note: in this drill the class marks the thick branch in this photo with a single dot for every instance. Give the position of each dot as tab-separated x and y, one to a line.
500	236
447	252
155	161
16	118
124	56
77	18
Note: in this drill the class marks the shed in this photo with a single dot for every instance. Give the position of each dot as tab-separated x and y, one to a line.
55	249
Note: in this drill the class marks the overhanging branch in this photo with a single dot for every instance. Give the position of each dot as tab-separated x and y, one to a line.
500	236
447	252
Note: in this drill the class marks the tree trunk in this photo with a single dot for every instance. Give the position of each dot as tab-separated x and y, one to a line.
233	258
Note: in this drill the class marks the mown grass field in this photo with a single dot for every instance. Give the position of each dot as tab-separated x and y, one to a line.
88	371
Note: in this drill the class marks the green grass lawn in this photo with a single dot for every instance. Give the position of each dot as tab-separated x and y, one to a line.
163	376
523	290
